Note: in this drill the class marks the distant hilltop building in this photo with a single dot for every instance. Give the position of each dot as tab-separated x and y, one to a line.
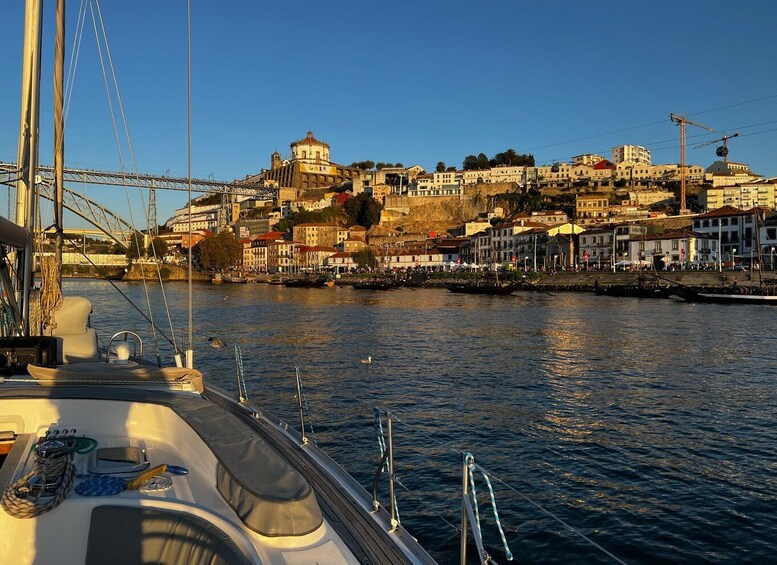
729	173
588	159
309	167
630	154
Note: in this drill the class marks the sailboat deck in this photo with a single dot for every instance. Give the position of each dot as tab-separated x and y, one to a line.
62	535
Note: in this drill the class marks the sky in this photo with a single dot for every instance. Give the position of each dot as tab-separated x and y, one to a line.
415	82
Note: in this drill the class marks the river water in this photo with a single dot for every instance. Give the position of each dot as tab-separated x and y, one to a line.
649	426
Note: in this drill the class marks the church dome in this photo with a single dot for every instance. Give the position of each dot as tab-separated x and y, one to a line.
309	140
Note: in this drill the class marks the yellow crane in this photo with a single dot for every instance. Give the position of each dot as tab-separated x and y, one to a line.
682	121
721	151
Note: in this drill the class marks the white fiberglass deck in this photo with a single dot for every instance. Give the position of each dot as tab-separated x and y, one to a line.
61	535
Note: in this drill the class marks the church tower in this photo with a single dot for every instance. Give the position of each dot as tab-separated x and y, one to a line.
275	161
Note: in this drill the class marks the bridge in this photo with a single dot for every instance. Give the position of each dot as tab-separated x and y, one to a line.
111	224
151	182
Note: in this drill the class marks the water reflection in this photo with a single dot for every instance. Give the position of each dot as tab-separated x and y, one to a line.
649	424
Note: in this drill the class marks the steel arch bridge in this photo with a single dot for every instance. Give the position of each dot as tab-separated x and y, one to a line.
96	214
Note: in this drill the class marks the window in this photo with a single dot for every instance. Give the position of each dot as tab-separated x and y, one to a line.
675	245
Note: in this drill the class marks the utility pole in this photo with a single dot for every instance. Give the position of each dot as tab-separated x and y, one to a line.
682	121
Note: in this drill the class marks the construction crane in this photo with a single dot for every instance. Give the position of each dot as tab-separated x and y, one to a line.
721	151
682	121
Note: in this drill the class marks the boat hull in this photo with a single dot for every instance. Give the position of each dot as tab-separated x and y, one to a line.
483	289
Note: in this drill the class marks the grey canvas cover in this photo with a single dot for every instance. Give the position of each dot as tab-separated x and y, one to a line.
270	496
128	534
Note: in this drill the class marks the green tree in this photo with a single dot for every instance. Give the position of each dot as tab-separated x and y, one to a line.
483	162
159	246
399	165
470	163
363	210
440	168
135	247
450	170
365	259
300	217
219	252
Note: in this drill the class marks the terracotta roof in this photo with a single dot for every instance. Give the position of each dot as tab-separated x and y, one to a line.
341	254
724	211
309	140
271	235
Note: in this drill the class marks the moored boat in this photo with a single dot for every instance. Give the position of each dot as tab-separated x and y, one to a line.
382	284
503	288
737	296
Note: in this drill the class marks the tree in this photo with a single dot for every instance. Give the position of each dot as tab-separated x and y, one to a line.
483	162
450	170
399	165
219	252
135	248
440	168
470	163
159	246
365	259
362	209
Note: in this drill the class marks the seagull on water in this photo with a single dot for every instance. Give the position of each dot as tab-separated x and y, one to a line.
368	360
216	343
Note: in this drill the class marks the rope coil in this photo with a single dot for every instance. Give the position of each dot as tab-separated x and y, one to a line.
24	498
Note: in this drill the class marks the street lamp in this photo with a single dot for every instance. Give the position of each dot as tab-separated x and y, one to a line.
525	260
733	257
771	260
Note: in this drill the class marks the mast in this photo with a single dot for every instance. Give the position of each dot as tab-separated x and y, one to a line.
27	155
59	137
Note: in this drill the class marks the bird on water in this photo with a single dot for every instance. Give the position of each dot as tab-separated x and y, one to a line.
216	343
368	360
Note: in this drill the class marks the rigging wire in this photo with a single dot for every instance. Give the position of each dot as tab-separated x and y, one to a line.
190	351
105	276
515	491
123	168
137	176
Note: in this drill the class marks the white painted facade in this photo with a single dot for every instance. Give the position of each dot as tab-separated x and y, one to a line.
630	154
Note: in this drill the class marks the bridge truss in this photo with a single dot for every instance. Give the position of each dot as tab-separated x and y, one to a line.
112	224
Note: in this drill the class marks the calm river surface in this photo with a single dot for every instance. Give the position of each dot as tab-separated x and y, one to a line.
650	426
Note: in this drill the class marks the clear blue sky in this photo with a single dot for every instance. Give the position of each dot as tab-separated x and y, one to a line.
416	82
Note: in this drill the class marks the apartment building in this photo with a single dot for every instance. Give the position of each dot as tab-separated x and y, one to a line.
591	208
630	154
745	195
319	233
